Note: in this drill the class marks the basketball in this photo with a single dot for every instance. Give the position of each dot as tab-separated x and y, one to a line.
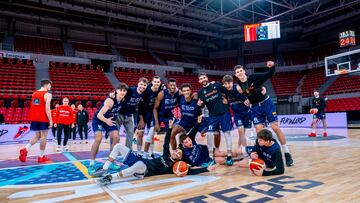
180	168
313	111
256	164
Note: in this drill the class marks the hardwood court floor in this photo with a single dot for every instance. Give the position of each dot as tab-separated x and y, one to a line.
326	170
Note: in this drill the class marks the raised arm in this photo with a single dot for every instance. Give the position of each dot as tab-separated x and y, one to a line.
166	149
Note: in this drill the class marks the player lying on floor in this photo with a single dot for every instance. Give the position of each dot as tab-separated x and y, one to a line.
140	167
268	149
197	154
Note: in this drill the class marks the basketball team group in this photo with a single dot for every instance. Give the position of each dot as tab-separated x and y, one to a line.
145	106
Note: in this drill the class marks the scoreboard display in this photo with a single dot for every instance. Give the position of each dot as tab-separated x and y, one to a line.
262	31
347	38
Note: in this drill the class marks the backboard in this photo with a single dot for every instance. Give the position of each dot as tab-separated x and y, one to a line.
343	63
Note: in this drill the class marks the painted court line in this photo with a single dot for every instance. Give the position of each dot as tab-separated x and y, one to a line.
78	164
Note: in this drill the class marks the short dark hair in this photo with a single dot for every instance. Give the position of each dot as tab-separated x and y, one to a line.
227	78
265	134
122	86
182	137
316	90
45	82
144	80
238	67
171	80
185	85
156	77
202	74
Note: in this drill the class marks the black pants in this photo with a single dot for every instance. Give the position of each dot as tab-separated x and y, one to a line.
53	130
83	128
59	130
73	131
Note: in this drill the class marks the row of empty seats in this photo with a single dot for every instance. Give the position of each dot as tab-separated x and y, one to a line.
344	104
225	63
296	57
285	83
38	45
92	48
131	76
313	79
202	62
170	57
17	77
137	56
344	84
258	58
78	82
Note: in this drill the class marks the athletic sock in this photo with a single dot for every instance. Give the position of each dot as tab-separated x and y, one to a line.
41	153
115	176
285	148
151	149
28	146
92	162
107	165
243	150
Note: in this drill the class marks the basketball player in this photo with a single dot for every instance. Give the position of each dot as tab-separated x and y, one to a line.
211	96
262	109
198	154
189	113
242	114
320	104
104	120
126	117
267	149
146	115
203	128
40	120
165	102
140	167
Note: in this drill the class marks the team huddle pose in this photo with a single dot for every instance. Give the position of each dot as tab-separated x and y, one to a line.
151	104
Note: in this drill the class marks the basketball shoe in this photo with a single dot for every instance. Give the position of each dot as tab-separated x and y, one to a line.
288	159
106	180
43	159
91	170
312	135
23	154
229	161
100	172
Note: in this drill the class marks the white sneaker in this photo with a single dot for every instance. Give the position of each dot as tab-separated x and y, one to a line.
74	142
65	149
80	142
86	142
58	149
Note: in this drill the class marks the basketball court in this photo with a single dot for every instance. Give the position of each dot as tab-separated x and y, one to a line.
325	170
